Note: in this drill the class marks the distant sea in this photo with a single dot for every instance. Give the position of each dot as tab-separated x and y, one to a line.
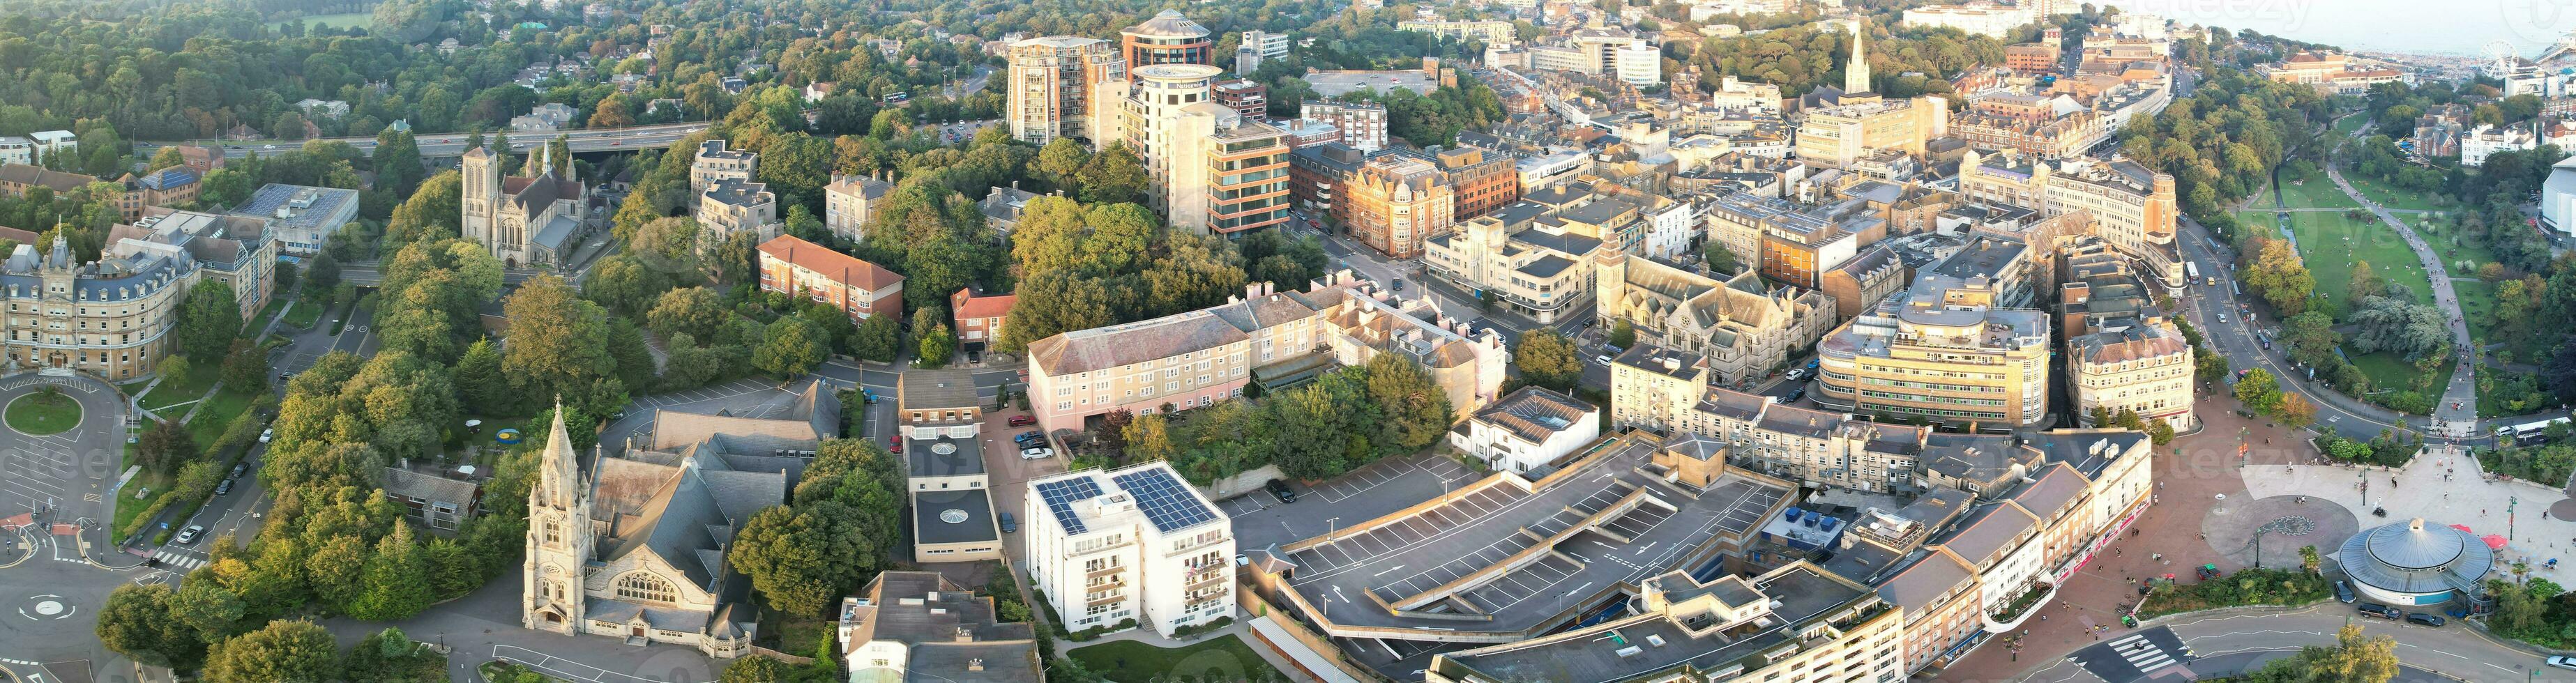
2454	27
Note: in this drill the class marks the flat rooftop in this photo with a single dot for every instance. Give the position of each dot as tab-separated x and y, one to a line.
1493	563
953	516
1331	84
1804	593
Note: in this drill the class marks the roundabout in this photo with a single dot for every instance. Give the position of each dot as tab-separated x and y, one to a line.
43	413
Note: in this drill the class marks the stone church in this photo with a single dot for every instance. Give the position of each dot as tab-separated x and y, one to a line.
524	219
633	547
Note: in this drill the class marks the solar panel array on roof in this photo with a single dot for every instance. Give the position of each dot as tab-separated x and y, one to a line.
1168	504
1060	497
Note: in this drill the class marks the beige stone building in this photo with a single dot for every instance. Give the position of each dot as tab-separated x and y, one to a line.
713	163
112	318
524	220
1065	86
1834	136
2146	367
732	207
1541	269
1743	328
1947	352
2133	205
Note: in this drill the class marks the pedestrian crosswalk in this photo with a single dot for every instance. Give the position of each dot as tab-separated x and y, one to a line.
2146	655
179	560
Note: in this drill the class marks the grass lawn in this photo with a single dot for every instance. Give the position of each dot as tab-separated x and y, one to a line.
2477	304
360	20
44	413
127	506
2331	244
306	313
177	390
1223	658
2313	190
2389	372
216	414
2394	198
2345	126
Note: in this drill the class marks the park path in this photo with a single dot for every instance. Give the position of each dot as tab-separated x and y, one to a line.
2456	414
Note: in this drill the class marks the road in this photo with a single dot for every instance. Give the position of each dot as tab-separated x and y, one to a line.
56	497
2235	338
453	144
2456	413
2232	642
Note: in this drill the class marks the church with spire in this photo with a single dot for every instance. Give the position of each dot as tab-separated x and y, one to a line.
633	546
528	219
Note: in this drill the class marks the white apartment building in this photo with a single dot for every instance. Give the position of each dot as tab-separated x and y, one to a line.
850	203
53	142
1639	64
2486	140
714	163
1528	429
1363	124
1976	18
17	150
1151	120
1137	543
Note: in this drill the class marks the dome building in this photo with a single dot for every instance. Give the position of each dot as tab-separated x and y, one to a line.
2415	563
1168	38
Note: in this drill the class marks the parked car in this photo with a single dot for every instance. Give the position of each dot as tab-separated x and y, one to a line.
2425	618
1800	393
223	487
1604	360
895	442
1010	524
239	469
2563	662
266	434
1399	284
1030	437
2381	611
2343	592
189	535
1280	490
1036	453
1797	374
1022	420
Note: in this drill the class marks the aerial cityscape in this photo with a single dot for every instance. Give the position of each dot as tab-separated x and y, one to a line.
1475	341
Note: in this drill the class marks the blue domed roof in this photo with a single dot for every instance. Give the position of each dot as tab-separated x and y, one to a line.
2416	557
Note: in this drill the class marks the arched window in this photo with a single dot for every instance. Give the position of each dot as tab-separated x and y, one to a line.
646	587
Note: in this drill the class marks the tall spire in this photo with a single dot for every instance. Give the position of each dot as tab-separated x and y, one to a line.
562	477
1856	74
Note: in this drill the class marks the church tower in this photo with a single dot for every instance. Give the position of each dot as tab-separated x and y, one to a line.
1856	74
481	194
559	537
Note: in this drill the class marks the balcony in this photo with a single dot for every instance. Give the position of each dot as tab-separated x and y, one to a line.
1104	571
2020	609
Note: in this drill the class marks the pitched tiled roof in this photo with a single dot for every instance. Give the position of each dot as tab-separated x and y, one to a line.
1108	347
1534	413
836	266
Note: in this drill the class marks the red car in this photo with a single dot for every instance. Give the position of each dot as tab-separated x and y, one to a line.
895	442
1022	420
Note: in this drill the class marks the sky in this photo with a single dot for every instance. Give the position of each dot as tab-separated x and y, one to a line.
2462	27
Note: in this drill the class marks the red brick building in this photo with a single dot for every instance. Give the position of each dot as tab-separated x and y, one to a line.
979	317
860	288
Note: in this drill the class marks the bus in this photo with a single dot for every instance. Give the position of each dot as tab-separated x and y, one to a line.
2191	268
897	97
2527	432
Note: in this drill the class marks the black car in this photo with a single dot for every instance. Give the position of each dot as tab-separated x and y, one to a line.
1795	395
2381	611
2343	592
239	469
1280	489
1399	284
2424	618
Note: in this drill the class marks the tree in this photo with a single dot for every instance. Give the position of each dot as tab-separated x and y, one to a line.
2400	326
397	162
2308	558
1413	411
558	345
479	379
1113	176
163	444
137	622
209	320
2295	410
1149	438
879	338
1622	334
282	651
209	607
396	583
247	368
695	311
1113	428
2281	277
756	669
2259	391
1720	260
1548	359
790	348
389	655
936	347
798	556
321	275
2353	658
2364	285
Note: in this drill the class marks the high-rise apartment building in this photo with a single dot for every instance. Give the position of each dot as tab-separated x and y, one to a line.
714	163
1168	38
1064	86
1363	124
1211	169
